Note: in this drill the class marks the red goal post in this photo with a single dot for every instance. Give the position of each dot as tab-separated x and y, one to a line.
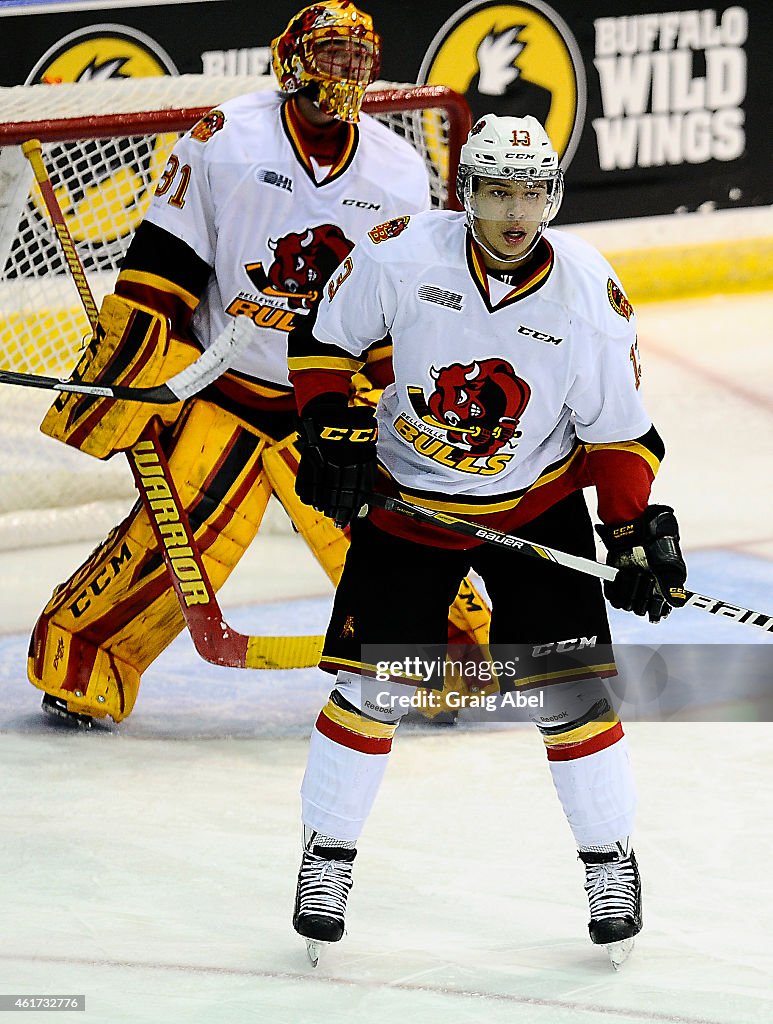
105	145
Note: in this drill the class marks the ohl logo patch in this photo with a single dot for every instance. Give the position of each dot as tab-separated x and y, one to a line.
120	181
513	59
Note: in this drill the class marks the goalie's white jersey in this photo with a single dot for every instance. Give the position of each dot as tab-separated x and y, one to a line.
241	192
495	383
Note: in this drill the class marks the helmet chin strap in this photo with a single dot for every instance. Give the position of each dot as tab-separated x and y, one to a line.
500	257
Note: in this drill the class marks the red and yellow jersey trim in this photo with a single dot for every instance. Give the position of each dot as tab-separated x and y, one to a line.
633	447
536	275
303	364
295	138
161	284
486	506
567	675
378	351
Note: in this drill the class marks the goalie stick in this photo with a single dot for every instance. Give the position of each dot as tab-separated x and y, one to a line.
713	605
212	637
188	382
194	378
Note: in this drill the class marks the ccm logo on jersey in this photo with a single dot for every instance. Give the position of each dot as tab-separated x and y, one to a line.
389	229
361	204
539	335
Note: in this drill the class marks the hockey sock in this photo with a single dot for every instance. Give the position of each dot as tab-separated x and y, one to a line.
597	794
348	756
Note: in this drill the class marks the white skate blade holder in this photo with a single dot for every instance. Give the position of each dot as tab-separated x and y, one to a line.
619	952
314	948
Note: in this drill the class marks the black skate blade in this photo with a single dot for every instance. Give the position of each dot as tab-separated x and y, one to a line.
57	710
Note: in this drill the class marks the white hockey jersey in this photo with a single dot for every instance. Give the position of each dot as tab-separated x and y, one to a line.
495	384
240	191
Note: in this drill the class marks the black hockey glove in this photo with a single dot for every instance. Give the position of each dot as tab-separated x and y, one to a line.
652	571
337	470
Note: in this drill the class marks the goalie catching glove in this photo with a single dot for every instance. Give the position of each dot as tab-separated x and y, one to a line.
652	572
337	471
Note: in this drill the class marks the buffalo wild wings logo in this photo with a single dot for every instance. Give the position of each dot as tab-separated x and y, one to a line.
471	414
513	59
618	301
204	129
294	279
120	184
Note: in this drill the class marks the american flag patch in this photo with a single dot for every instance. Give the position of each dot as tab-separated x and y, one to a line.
441	296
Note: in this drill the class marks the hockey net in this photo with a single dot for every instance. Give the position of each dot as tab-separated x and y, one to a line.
105	146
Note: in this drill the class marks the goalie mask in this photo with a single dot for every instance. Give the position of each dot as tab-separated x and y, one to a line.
332	50
516	154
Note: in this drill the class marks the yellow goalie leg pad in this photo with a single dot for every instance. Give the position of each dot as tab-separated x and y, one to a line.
328	544
131	346
114	616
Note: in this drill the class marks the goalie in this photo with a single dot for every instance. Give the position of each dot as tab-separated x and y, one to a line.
258	205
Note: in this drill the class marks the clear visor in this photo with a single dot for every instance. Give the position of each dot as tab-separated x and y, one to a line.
497	199
344	58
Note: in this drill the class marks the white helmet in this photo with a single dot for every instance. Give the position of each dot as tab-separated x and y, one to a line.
515	149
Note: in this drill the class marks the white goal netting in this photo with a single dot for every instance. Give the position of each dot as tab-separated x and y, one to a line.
105	145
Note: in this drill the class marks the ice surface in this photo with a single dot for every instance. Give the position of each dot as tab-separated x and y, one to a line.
152	866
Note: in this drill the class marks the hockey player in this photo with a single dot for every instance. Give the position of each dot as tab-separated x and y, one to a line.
258	203
517	385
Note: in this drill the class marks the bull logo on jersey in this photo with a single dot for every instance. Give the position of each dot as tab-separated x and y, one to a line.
302	263
478	404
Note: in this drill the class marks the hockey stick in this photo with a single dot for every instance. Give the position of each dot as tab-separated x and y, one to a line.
212	637
588	566
194	378
188	382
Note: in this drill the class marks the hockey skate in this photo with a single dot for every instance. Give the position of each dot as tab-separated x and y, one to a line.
614	894
324	881
57	708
